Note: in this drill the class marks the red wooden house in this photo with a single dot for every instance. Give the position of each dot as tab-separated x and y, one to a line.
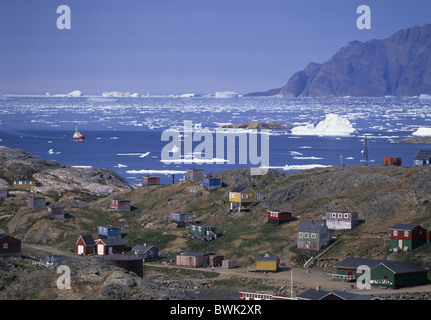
110	246
35	202
408	236
278	217
391	161
9	246
148	181
85	245
120	205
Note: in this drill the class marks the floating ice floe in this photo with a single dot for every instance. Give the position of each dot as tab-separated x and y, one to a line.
333	125
119	165
422	132
51	151
424	96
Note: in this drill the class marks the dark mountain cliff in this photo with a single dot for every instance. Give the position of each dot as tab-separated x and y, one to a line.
398	65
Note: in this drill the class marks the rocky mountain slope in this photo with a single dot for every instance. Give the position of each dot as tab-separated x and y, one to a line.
397	66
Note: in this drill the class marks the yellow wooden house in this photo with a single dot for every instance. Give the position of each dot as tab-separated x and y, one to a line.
243	198
267	263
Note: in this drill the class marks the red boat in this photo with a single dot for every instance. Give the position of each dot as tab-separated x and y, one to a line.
77	136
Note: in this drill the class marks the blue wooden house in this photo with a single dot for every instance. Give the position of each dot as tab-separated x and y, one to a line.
109	232
211	183
181	219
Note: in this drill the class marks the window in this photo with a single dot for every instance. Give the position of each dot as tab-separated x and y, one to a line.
244	196
5	245
340	215
406	233
334	215
395	233
313	236
346	216
301	235
305	234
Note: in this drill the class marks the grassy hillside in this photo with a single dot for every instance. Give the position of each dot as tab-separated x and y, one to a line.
382	196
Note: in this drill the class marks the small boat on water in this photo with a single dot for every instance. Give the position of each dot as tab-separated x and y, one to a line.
77	136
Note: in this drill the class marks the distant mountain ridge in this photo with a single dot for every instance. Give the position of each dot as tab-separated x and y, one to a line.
398	66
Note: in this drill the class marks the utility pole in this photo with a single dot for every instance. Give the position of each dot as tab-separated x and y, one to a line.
365	151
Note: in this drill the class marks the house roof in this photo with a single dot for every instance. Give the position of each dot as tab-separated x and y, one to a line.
313	294
423	155
2	235
312	226
112	242
400	226
394	265
88	239
266	257
142	248
239	189
194	254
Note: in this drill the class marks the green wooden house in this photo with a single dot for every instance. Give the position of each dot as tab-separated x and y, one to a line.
313	235
391	273
203	232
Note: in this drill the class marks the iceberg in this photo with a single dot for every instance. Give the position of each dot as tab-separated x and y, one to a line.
226	94
332	125
424	96
422	132
75	93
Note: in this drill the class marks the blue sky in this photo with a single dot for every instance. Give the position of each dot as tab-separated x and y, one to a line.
181	46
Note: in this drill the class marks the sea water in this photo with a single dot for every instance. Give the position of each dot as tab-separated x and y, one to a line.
124	134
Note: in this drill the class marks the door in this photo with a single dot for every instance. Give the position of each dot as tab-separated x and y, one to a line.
110	250
100	249
80	249
400	244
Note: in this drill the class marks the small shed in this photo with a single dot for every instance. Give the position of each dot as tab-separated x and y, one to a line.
407	236
150	180
85	245
215	260
110	246
35	202
4	193
228	264
341	220
9	246
391	161
422	157
181	219
147	253
120	205
195	174
108	232
267	263
211	183
277	217
55	211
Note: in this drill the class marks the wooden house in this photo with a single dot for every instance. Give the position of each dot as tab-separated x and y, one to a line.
195	174
267	263
211	183
341	220
243	198
85	245
181	219
110	246
203	232
150	180
193	259
215	260
277	217
407	236
313	235
108	232
24	183
422	157
148	253
228	264
9	246
391	161
390	273
35	202
120	205
55	212
318	294
4	193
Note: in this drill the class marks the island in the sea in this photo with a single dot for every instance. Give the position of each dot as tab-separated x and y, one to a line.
256	125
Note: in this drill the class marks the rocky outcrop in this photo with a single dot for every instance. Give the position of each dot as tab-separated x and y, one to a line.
397	66
17	164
